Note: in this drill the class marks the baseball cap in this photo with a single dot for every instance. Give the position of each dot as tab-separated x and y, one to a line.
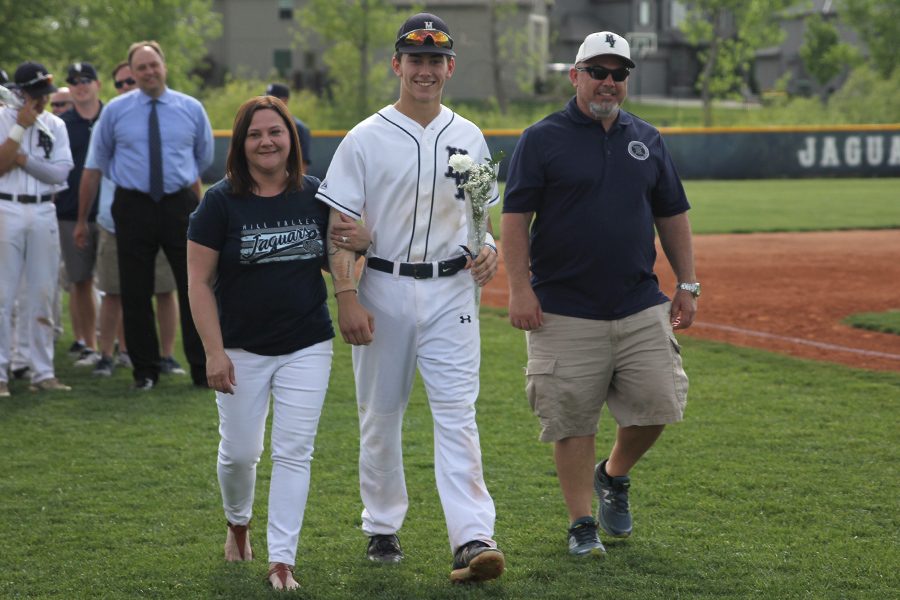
79	70
424	33
279	90
603	43
32	77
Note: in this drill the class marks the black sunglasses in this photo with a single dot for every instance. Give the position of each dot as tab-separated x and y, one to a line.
127	81
59	104
601	73
79	81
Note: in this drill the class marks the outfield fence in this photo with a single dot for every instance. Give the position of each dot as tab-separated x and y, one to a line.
706	153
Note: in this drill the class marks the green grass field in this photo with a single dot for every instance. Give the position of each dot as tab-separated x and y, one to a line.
782	482
886	322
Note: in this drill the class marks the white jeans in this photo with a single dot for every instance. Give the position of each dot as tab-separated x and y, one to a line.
29	257
431	324
297	383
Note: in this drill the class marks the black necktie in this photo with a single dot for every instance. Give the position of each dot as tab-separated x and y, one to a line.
156	165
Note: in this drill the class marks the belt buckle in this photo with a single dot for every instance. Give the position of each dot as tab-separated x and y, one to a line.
421	270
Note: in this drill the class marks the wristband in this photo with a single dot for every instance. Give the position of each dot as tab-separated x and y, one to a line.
347	290
16	133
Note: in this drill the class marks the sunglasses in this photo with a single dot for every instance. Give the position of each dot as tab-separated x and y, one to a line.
59	104
127	81
79	81
601	73
418	37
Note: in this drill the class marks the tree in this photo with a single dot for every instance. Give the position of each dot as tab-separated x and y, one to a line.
100	31
878	24
824	55
359	38
729	33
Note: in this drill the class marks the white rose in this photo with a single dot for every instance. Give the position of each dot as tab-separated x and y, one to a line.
461	163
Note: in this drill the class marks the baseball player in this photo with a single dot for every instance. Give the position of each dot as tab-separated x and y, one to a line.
415	305
34	165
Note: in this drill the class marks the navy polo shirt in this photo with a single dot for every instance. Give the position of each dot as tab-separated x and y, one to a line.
595	195
79	130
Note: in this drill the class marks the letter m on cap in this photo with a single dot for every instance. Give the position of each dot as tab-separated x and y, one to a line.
611	40
429	24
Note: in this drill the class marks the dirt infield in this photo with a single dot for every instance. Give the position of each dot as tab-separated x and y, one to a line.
787	292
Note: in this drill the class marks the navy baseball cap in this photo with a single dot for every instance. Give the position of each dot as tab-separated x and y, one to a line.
80	70
279	90
424	33
33	78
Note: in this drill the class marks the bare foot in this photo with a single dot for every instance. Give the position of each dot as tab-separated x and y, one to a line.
281	577
237	543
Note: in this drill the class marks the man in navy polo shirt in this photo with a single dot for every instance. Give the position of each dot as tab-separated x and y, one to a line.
79	261
596	180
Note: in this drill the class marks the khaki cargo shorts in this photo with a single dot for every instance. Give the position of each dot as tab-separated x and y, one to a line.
108	268
633	365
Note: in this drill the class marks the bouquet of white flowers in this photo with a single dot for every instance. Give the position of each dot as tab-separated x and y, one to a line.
478	186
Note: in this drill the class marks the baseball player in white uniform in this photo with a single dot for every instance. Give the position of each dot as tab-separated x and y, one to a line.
415	305
33	166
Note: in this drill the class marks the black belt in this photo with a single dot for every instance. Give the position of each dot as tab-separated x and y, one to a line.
26	199
418	270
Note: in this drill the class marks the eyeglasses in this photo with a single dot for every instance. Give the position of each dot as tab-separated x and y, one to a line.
418	37
601	73
60	104
127	81
79	81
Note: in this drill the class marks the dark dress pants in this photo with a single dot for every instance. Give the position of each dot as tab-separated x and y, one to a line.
142	227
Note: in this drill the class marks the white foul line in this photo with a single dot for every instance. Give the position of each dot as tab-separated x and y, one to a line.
801	341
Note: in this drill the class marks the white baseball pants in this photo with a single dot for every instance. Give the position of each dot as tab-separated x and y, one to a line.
29	255
297	383
432	324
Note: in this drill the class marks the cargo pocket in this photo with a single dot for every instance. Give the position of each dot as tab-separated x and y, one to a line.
539	375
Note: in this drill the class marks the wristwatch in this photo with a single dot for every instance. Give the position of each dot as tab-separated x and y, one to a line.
693	288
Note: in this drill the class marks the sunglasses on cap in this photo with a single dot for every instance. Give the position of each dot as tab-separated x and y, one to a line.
418	37
79	80
127	81
60	104
601	73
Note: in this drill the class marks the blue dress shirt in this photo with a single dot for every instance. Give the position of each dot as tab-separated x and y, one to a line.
120	145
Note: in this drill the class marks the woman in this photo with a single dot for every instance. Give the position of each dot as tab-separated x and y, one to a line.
256	247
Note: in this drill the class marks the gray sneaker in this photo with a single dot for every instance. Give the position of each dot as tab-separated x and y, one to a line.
104	367
4	389
124	361
169	366
88	358
384	549
614	515
583	539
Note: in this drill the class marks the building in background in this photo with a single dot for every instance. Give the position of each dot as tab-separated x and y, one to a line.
259	40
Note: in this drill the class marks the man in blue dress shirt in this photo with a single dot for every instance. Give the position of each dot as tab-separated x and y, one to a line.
153	143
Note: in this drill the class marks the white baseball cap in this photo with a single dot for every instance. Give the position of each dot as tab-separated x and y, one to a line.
604	42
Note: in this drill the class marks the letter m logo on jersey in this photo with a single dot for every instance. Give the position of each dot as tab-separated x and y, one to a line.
458	177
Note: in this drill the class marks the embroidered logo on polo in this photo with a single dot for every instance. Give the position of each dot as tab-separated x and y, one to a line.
296	239
638	150
457	177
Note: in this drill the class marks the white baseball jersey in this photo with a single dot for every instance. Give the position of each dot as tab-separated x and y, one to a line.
394	173
35	143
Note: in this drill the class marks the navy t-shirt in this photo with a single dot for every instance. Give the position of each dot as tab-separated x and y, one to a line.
269	287
595	195
79	130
